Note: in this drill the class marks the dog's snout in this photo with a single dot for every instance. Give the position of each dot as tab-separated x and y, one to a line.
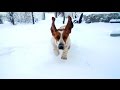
61	46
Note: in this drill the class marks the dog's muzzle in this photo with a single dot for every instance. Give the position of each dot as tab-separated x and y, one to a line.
61	46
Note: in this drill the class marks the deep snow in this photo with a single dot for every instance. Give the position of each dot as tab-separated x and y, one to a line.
26	52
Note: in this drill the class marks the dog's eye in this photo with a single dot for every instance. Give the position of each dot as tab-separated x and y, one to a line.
64	37
58	37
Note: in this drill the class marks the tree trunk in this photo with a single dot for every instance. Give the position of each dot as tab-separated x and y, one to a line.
63	17
80	19
55	14
12	18
43	16
33	18
75	15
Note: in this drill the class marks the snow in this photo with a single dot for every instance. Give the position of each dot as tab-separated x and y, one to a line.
115	20
3	13
26	52
115	32
88	13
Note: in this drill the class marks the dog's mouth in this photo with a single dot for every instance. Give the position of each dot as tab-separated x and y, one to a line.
61	48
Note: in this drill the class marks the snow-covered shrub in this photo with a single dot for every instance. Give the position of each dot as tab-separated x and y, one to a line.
20	17
1	21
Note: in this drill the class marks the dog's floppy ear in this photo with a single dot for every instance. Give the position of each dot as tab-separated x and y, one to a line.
69	25
53	27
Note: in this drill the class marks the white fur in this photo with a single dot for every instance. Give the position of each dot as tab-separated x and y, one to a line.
66	46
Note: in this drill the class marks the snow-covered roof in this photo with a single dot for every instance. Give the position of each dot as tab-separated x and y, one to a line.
115	20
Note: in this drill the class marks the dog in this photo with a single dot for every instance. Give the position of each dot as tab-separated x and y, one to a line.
61	38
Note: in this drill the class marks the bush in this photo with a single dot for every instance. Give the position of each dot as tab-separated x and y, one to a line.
1	22
101	17
20	17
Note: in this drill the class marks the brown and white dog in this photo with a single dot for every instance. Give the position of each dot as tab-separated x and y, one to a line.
61	38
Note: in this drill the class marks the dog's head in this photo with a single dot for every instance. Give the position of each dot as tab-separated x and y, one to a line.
61	35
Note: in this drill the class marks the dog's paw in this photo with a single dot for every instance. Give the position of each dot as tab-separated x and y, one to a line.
64	57
56	52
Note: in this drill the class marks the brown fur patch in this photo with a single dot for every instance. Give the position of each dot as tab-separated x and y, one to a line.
57	35
65	36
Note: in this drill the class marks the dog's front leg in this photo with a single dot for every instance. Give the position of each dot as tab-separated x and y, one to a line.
64	54
56	51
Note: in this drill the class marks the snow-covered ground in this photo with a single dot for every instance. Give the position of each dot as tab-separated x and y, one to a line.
26	52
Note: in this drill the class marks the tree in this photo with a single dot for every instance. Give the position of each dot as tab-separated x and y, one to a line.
80	19
43	16
33	18
75	15
63	13
55	14
27	17
11	17
1	22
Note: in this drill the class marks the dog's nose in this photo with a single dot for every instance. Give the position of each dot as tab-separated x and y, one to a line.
61	46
